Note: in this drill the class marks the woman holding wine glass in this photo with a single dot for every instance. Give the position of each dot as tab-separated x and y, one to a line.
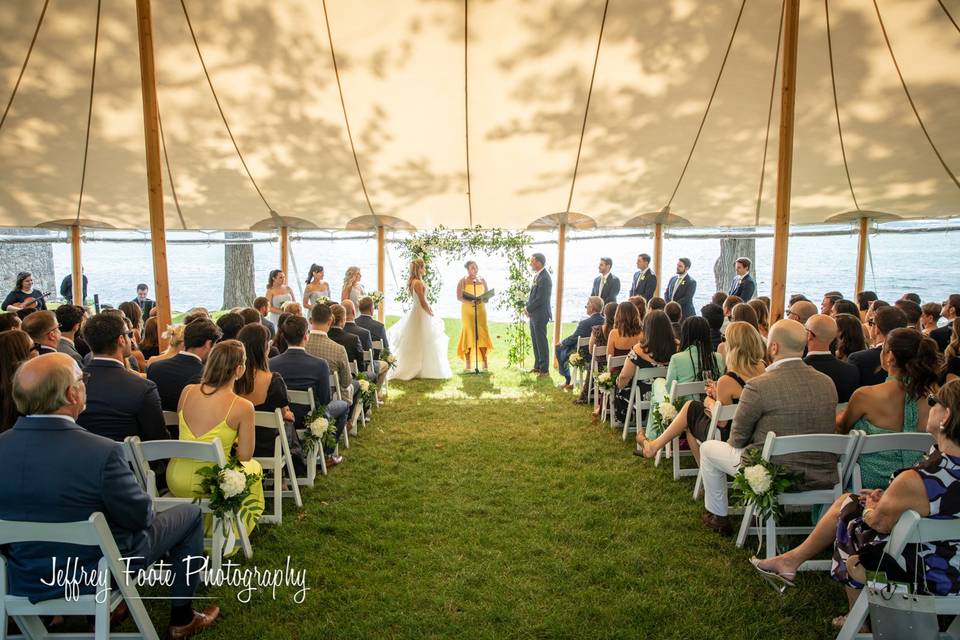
471	338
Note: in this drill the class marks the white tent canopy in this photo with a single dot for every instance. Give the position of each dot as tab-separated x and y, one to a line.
401	65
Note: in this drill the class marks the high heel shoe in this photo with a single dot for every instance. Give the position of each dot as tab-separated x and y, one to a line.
779	581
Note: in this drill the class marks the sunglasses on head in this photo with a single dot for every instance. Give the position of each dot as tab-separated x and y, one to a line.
933	400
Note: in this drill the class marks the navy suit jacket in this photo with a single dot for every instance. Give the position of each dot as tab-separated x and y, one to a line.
942	336
682	295
583	330
845	376
745	288
644	288
120	403
610	290
301	371
349	342
376	329
538	301
172	375
52	470
146	306
270	326
366	339
868	362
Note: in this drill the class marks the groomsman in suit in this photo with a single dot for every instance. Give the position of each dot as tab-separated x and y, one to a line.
644	280
744	286
173	374
43	328
569	345
606	285
682	288
146	304
538	311
66	289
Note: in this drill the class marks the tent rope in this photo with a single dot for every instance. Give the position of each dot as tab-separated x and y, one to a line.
203	64
343	107
836	105
166	159
86	140
706	111
466	103
949	15
766	137
23	68
586	109
913	106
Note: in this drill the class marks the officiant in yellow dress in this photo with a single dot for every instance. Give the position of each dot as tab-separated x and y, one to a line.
477	286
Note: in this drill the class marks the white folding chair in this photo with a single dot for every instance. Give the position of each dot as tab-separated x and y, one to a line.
598	352
336	395
911	528
359	413
378	348
672	450
92	532
368	364
171	419
579	375
720	413
637	405
281	459
842	446
306	399
608	399
141	454
874	443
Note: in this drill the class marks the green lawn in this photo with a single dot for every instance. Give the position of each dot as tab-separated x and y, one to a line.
491	507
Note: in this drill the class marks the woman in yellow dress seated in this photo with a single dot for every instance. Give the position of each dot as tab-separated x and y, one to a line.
477	286
212	411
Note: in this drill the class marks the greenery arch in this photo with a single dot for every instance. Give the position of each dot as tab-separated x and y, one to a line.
456	244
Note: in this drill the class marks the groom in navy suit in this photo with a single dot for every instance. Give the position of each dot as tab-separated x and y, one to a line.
682	288
538	310
744	286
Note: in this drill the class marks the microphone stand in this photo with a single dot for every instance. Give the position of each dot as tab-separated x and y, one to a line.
476	329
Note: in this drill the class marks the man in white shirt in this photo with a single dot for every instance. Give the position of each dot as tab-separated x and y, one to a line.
606	285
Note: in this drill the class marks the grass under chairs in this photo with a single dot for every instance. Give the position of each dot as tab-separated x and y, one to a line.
489	507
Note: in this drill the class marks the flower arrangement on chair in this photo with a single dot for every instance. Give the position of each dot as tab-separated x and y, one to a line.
577	361
758	483
663	413
606	382
227	489
388	358
319	432
368	390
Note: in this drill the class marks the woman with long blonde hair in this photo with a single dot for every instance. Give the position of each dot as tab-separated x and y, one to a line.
352	289
418	339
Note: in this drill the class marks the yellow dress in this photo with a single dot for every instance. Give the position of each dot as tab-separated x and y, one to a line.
183	481
466	342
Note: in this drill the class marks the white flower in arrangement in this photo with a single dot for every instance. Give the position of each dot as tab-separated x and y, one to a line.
604	377
391	359
758	478
319	426
232	482
667	411
364	386
575	359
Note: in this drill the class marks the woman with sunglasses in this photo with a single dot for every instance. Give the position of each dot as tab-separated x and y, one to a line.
912	362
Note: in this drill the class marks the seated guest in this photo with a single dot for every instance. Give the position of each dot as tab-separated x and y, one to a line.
262	305
302	371
82	473
675	312
830	298
718	298
174	337
654	350
910	309
858	526
24	296
251	316
850	335
790	398
627	332
150	343
70	318
742	312
744	361
173	374
230	324
598	338
119	402
728	304
763	317
913	363
801	311
16	347
929	315
44	329
292	307
950	311
9	320
715	318
133	313
640	304
320	344
875	306
885	320
350	325
195	313
864	300
657	303
821	332
845	306
912	297
366	320
584	328
951	354
348	341
279	343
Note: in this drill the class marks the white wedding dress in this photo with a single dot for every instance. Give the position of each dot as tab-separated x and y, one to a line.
420	344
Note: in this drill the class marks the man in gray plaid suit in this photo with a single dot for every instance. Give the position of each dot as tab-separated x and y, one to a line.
319	344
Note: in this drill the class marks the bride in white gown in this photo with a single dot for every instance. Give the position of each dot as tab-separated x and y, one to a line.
418	339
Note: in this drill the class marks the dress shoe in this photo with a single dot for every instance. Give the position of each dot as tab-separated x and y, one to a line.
534	370
333	461
543	374
720	524
200	622
565	386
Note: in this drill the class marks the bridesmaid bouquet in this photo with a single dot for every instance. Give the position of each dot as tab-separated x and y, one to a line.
319	431
228	490
377	297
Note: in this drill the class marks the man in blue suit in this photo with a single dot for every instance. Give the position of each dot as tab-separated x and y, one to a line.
119	402
606	285
682	288
744	286
376	328
53	470
538	311
301	371
173	374
644	280
566	348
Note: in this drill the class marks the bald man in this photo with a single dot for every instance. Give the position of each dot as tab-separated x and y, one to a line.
821	332
54	470
801	311
789	399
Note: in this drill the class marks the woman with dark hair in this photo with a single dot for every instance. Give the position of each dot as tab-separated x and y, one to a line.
9	320
277	293
279	341
16	347
844	306
627	331
763	317
864	299
641	306
150	343
598	338
850	336
951	366
912	362
24	296
316	287
654	350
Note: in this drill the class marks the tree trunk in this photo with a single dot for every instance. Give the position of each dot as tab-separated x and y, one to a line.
239	289
35	257
730	250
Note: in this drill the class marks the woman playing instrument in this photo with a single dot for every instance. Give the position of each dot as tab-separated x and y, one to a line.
24	296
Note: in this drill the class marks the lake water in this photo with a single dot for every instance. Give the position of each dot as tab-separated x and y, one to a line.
924	263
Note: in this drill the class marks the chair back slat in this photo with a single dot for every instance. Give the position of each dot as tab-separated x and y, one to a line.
171	419
683	389
377	345
81	532
599	351
837	444
268	419
648	373
303	398
166	449
615	361
583	342
876	442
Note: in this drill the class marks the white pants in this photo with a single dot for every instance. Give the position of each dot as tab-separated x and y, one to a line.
717	461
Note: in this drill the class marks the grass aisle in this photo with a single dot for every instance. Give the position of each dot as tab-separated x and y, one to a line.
490	507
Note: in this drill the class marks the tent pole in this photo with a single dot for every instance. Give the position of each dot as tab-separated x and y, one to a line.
560	265
781	232
381	267
862	254
151	132
76	265
657	255
284	247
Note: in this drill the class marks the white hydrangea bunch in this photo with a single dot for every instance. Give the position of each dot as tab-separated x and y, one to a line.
604	377
667	411
232	482
576	359
319	427
391	359
364	386
758	478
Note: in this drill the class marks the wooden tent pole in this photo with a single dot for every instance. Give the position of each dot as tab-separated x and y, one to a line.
788	94
76	265
381	268
560	265
658	255
284	248
862	254
151	132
